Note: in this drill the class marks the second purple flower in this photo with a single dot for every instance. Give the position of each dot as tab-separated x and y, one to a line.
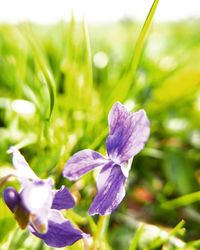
127	137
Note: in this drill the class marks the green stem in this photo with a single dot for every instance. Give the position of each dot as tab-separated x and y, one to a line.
100	234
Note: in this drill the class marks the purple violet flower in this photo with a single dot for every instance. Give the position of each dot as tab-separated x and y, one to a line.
37	206
128	135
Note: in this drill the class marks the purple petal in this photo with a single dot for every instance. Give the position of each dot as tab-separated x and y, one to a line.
60	232
128	133
23	171
110	194
37	198
82	162
63	199
11	198
104	174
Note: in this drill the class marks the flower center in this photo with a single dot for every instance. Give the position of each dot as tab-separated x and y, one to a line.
38	196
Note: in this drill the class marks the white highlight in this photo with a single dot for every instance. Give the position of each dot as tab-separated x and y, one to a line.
154	232
23	107
100	59
177	124
130	104
12	194
195	138
46	11
168	63
38	196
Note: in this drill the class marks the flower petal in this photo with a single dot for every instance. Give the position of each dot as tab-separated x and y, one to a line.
60	231
104	174
63	199
82	162
37	198
110	194
128	133
23	171
11	198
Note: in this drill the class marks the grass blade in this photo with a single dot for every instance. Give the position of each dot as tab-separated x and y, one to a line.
88	56
122	88
184	200
136	238
42	65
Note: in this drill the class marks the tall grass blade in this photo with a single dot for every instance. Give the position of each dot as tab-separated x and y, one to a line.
42	65
122	88
88	55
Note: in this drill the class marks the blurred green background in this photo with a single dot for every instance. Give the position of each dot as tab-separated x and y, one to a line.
69	79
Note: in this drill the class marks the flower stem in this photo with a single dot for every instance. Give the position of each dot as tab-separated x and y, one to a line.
100	241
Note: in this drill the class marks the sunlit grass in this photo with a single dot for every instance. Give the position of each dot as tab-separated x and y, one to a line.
53	68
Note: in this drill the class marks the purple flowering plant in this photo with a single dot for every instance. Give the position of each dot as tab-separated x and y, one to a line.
37	206
128	133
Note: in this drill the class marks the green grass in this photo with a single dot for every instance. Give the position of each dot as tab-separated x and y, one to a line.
53	68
